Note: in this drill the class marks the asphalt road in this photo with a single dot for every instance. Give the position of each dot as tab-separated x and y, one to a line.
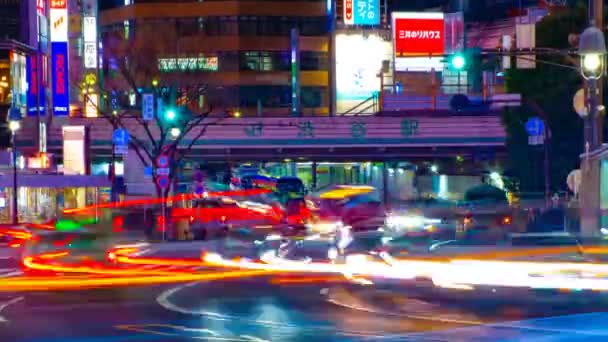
274	309
257	310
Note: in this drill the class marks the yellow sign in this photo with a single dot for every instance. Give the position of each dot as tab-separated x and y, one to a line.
90	79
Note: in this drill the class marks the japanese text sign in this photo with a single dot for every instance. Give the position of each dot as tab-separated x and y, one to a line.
418	34
362	12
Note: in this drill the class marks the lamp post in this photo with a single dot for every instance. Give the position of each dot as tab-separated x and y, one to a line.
14	126
592	52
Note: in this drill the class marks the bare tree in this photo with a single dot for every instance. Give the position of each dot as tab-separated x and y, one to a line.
132	64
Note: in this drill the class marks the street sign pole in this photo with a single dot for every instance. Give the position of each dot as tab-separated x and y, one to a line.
162	181
164	214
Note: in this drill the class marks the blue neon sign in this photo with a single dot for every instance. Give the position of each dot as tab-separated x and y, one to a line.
362	12
33	85
61	97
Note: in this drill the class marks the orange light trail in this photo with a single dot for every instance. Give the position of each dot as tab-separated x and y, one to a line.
235	193
24	284
36	263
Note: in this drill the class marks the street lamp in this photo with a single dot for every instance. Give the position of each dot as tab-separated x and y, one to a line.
175	132
592	50
14	126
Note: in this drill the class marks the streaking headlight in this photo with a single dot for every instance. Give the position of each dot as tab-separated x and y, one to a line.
273	237
410	221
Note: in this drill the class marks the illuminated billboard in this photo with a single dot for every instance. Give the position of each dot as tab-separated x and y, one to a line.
33	98
362	12
59	25
59	65
359	61
59	57
418	40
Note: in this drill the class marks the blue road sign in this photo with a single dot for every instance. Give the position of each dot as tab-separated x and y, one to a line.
147	111
148	172
163	182
120	136
199	190
162	161
535	126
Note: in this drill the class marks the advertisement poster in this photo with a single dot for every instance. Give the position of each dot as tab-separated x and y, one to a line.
362	12
419	40
358	64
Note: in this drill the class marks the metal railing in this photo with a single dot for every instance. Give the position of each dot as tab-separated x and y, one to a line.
371	104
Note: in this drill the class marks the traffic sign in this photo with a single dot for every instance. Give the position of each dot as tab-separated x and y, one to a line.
162	171
162	161
147	109
199	190
536	140
148	172
120	136
535	126
121	149
162	182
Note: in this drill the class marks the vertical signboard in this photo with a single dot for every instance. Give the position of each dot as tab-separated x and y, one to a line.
33	93
362	12
60	90
90	42
419	40
59	57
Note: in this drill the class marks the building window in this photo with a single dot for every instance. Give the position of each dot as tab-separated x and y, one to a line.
311	61
312	97
264	61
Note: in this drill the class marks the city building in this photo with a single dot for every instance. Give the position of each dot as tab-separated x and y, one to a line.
241	51
307	88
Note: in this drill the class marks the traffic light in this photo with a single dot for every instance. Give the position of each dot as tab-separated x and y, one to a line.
458	62
170	115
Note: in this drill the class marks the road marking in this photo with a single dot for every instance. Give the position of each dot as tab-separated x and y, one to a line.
254	339
163	301
175	331
6	304
405	315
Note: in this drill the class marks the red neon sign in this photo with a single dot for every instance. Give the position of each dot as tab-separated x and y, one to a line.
348	10
59	4
40	5
60	74
422	36
34	80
